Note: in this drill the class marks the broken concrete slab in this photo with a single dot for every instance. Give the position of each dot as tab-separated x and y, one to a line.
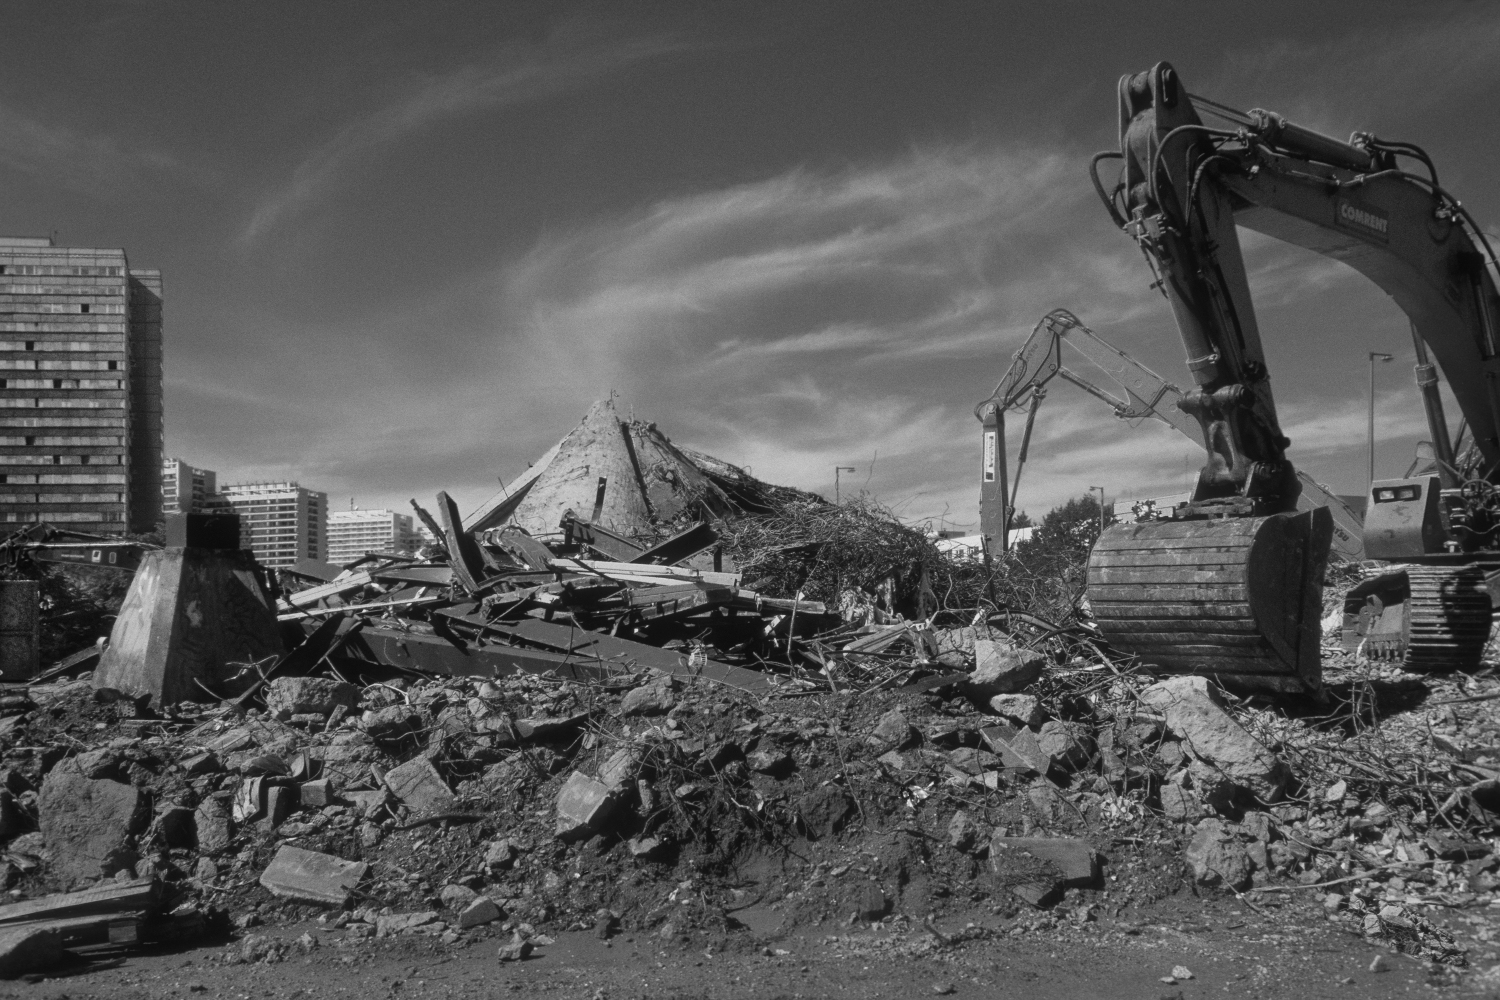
1000	668
90	824
873	903
318	793
419	786
649	699
280	800
480	911
1217	858
1193	713
1070	744
1038	869
1025	710
893	732
213	823
620	769
249	800
312	877
582	806
308	695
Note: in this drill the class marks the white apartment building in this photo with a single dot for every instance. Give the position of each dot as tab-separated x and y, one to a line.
185	489
353	533
281	523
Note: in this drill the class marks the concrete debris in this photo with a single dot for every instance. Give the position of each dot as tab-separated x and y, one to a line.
580	724
90	824
1217	857
1211	735
289	696
480	911
420	788
1038	869
1024	710
582	806
312	877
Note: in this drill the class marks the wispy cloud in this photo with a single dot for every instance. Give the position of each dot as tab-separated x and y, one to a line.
515	75
97	164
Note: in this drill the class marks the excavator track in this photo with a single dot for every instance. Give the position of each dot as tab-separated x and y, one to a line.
1448	622
1434	618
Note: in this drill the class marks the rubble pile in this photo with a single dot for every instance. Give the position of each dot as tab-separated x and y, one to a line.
1008	775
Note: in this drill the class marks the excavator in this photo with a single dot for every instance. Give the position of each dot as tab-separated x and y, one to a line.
1137	393
1230	584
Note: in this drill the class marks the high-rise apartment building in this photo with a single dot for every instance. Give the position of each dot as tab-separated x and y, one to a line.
80	388
185	489
352	533
281	523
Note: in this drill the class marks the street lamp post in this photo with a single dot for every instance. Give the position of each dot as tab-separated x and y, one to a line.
836	470
1374	356
1101	506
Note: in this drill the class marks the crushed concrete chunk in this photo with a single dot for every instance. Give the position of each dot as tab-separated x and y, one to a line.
893	731
649	699
1210	735
213	823
418	784
1038	869
1022	709
1217	858
89	824
309	695
312	877
1002	669
480	911
582	806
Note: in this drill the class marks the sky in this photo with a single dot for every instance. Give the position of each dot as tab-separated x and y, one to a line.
405	246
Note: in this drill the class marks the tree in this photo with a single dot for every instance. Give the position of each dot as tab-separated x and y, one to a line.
1060	544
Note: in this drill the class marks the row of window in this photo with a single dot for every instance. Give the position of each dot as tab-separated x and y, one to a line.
60	478
77	271
58	345
31	440
35	403
63	517
62	459
15	365
61	383
117	422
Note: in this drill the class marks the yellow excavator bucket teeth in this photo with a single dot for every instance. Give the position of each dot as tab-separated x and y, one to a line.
1238	599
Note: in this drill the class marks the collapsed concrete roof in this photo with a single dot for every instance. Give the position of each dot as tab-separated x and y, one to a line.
624	475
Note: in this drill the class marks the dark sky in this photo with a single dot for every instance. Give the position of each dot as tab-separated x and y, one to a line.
406	245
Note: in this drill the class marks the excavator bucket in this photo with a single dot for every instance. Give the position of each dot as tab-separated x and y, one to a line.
1237	599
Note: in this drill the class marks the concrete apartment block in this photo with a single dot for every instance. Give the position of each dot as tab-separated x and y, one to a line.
80	388
281	523
352	533
185	489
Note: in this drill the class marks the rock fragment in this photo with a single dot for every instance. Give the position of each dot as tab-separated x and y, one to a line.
89	824
1038	869
1000	668
649	699
893	731
1211	736
480	911
308	695
824	811
312	877
582	806
1217	858
419	786
1025	710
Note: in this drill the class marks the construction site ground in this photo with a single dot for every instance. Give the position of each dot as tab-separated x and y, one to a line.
1230	950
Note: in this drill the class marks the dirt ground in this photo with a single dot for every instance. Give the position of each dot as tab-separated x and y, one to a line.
1230	949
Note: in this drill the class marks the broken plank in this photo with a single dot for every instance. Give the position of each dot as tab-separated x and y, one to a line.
136	894
643	571
433	655
311	596
683	545
596	536
463	551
